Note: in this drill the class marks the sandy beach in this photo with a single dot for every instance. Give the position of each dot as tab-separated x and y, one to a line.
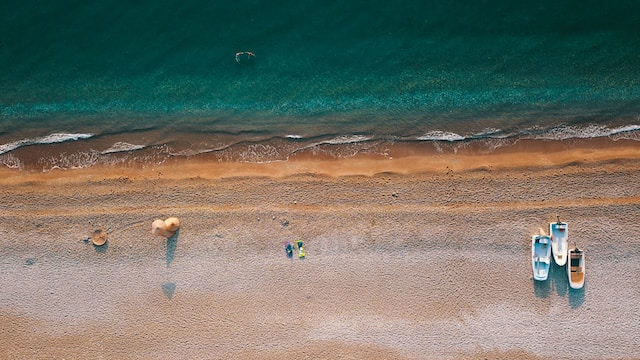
414	255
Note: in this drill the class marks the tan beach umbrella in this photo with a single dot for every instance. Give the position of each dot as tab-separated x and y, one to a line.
172	224
99	237
158	227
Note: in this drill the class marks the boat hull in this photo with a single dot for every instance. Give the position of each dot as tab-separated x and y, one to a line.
540	256
559	242
576	268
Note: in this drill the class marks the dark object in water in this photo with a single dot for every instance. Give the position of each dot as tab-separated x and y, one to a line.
245	57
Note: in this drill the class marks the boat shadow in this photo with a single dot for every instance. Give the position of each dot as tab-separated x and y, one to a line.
558	276
556	281
576	297
559	282
542	289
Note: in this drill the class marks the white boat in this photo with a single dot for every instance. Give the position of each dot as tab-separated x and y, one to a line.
576	268
540	256
559	241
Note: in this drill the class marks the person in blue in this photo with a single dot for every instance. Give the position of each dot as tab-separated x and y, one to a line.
289	249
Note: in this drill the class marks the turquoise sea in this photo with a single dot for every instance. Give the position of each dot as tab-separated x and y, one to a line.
86	82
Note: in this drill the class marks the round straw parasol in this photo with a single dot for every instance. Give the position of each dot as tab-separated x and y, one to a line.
158	227
99	237
172	224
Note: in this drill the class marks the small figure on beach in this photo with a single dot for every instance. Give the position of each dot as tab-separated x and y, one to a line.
301	253
245	57
165	228
289	249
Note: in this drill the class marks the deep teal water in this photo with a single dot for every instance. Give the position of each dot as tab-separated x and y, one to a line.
379	68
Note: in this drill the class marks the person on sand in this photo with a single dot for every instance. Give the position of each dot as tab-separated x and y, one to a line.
289	249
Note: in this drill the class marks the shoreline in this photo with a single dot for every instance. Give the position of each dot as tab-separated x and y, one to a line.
399	158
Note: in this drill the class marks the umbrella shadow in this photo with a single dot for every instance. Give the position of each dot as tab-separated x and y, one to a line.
169	288
101	249
172	243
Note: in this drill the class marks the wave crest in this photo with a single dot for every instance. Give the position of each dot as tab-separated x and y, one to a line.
438	135
122	147
48	139
584	132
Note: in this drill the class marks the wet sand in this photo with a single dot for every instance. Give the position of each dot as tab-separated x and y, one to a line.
411	256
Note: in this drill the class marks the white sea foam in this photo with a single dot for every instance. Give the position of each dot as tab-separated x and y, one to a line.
122	147
347	139
191	152
294	136
79	160
626	132
440	135
10	161
492	133
49	139
585	132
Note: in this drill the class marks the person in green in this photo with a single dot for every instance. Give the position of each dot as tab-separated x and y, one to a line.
301	252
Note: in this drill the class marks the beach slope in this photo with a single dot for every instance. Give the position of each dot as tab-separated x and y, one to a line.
411	257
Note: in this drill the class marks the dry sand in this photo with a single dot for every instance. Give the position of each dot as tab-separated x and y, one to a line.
423	256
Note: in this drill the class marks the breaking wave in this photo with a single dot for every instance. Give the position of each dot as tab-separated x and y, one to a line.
49	139
122	147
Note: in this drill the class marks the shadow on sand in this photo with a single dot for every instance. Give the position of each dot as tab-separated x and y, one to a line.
168	288
558	277
542	289
102	249
172	243
559	282
576	297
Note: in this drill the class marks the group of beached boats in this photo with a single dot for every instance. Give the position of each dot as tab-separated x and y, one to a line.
555	245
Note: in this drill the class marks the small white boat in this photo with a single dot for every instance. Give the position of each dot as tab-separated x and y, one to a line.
559	241
540	256
576	268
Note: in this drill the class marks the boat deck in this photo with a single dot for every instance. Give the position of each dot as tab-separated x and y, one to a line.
577	276
541	251
558	232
